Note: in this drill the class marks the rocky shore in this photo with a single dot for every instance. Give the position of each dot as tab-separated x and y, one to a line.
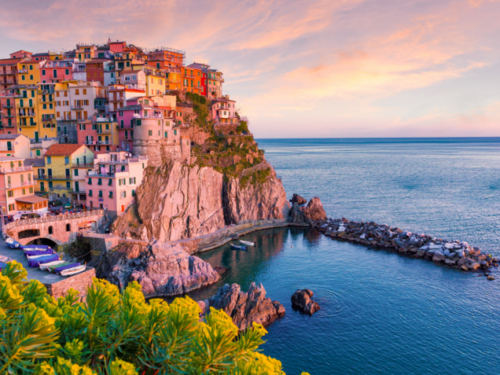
245	307
452	253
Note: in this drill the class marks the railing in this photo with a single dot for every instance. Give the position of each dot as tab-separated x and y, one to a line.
52	177
79	191
50	219
26	114
23	70
76	106
26	168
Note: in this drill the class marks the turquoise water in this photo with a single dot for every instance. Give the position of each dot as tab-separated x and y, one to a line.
381	313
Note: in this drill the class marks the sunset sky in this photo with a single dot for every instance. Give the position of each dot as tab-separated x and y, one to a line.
315	68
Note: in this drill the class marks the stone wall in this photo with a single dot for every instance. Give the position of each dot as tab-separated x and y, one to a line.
79	282
66	131
226	129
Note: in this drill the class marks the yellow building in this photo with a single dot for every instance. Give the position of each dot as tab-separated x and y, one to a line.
28	72
35	110
155	85
85	51
60	173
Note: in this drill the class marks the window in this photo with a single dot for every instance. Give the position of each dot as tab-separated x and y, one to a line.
90	193
68	227
51	184
166	134
175	131
133	193
99	181
49	160
130	181
100	193
24	191
110	182
150	133
68	185
84	91
31	67
111	194
10	193
51	230
31	190
90	181
43	73
76	172
67	71
138	122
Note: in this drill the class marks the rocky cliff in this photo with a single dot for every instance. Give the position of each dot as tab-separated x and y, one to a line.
226	181
162	270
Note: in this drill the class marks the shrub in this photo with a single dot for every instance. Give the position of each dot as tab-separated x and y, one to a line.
118	334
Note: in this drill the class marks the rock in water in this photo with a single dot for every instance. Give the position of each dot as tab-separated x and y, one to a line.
246	308
298	199
314	211
162	270
301	300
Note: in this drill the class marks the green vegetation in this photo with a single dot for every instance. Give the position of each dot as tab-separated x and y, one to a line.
118	334
242	128
201	110
80	249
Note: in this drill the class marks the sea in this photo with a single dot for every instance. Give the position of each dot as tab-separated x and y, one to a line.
381	313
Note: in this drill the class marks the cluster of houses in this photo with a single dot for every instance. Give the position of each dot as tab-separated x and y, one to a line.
69	121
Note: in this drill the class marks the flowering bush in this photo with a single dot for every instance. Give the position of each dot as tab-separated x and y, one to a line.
118	334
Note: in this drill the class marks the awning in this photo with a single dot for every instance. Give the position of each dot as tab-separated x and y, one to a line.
32	199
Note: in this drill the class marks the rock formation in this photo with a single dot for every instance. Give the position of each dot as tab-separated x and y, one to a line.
298	199
452	253
246	308
162	270
313	212
301	300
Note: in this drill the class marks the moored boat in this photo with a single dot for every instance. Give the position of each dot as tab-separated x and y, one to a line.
238	247
73	271
247	243
45	266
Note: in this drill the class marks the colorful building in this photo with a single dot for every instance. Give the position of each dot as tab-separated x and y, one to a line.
8	121
28	72
191	80
214	84
224	111
8	73
17	188
55	175
100	135
53	71
95	70
76	100
113	182
164	58
16	145
85	51
118	95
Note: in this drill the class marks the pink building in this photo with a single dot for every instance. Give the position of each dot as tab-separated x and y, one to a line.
17	188
114	181
224	111
126	114
100	134
118	95
8	114
53	71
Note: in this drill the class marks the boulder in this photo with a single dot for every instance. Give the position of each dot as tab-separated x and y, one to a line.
246	308
473	266
491	278
438	257
314	211
302	301
298	199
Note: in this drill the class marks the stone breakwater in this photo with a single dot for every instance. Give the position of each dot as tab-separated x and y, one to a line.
453	253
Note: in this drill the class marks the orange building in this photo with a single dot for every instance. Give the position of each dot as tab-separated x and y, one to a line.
191	80
164	58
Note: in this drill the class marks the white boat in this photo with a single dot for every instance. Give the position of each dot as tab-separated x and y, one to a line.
248	243
73	271
45	266
37	256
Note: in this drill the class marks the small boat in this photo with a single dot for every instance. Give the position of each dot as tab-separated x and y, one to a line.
238	247
13	244
53	266
247	243
45	266
31	257
36	248
73	271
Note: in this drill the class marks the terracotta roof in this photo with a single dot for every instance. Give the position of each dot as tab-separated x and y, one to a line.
21	50
31	199
62	149
9	61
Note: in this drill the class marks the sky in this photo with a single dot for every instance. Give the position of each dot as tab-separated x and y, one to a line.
307	69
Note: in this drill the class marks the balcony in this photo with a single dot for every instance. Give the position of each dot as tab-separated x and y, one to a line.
7	105
26	168
23	71
9	115
79	191
20	184
26	113
76	106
